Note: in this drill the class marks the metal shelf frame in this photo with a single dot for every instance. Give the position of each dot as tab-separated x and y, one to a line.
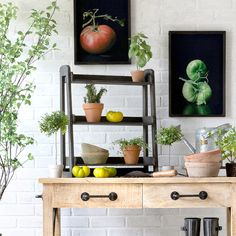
67	79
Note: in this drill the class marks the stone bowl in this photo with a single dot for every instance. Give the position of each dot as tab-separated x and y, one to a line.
89	148
93	158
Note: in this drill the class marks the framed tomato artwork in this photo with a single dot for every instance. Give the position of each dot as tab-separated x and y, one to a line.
101	31
197	73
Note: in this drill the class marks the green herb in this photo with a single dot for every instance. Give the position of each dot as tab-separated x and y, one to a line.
92	96
167	136
123	143
17	58
51	124
140	50
227	144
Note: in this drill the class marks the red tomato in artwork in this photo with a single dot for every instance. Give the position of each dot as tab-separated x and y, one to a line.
99	40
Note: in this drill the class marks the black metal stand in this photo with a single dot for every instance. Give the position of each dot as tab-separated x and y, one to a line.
67	78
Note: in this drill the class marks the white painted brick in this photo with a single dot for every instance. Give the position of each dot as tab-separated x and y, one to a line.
214	4
107	222
126	232
14	232
89	212
89	232
30	222
124	212
161	211
16	210
7	222
143	221
70	222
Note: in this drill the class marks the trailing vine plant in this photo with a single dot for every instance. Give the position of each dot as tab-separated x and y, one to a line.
16	63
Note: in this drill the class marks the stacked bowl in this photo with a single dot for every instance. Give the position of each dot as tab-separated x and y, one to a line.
203	164
93	155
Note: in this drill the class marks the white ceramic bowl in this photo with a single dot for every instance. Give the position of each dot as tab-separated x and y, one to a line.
199	169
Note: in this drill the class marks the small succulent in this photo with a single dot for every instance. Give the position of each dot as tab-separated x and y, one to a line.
92	96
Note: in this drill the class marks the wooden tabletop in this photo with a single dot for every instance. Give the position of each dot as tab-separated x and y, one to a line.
122	180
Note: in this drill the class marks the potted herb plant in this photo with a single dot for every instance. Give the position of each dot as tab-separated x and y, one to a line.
167	136
131	149
18	54
141	52
227	144
92	103
49	125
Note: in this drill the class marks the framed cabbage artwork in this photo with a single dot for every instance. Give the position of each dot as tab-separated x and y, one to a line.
101	31
197	73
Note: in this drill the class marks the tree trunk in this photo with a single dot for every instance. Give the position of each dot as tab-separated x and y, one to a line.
2	190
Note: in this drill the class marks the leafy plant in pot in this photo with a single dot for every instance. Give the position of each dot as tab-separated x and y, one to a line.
92	105
227	144
167	136
49	125
18	54
141	52
131	149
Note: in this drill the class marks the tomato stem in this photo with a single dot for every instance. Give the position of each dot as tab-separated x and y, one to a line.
91	15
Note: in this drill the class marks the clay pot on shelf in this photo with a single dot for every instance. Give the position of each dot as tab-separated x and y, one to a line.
131	154
93	111
137	75
231	169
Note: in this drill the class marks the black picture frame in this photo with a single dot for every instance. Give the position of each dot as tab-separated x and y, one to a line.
118	53
185	98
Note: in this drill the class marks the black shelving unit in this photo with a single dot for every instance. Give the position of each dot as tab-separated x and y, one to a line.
67	79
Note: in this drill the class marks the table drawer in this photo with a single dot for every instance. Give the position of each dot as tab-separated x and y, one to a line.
159	195
128	195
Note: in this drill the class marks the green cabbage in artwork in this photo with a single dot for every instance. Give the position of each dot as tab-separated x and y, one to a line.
197	90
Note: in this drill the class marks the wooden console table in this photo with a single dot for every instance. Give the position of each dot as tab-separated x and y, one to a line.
176	192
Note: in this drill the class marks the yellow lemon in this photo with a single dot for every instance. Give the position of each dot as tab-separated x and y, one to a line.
81	173
86	170
112	171
75	170
101	173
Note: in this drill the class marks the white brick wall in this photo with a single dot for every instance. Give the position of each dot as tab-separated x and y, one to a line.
20	213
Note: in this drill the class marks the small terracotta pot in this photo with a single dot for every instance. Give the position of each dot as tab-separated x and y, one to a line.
131	154
93	111
137	75
231	169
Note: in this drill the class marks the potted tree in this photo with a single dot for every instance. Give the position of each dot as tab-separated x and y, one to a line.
131	149
168	136
18	58
141	52
227	144
49	125
92	103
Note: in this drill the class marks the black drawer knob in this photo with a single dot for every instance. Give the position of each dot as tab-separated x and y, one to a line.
111	196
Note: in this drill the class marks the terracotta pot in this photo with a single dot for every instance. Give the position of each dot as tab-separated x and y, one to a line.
93	111
198	169
231	169
137	75
131	154
204	157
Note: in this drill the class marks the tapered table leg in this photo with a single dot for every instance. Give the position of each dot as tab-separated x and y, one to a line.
47	211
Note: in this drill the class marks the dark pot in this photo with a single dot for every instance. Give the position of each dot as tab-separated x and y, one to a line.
211	226
231	169
192	226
